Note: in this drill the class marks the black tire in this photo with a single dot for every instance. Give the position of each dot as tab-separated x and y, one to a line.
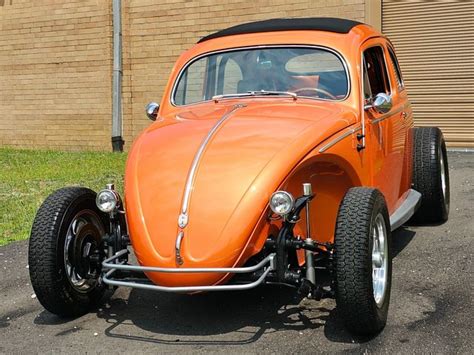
429	162
361	209
47	258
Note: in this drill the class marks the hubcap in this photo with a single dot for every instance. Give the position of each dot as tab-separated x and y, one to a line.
379	259
443	173
82	240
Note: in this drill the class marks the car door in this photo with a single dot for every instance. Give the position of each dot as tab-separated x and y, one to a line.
383	132
403	121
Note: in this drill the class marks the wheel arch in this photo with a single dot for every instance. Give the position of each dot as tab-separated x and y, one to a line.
331	177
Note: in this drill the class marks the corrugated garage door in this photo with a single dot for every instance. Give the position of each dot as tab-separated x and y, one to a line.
434	42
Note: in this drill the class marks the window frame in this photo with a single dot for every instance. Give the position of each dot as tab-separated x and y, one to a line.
192	60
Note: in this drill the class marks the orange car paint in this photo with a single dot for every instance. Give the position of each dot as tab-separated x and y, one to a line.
270	144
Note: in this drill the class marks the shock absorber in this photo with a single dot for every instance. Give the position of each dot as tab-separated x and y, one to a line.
309	256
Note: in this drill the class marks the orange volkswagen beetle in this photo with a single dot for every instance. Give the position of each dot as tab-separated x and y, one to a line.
283	152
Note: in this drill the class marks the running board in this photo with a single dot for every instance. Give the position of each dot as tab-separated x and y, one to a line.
406	210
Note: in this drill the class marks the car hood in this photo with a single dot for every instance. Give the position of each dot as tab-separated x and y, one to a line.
244	160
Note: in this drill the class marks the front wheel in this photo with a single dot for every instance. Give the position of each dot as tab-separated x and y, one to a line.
363	261
65	250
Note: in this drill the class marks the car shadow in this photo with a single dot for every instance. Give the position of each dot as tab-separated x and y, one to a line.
47	318
400	240
221	318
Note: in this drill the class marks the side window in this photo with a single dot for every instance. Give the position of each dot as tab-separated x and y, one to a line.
398	73
375	71
367	91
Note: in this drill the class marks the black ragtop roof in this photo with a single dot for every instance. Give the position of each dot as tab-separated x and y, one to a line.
330	24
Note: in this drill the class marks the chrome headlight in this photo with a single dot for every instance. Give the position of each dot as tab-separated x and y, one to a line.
282	202
107	200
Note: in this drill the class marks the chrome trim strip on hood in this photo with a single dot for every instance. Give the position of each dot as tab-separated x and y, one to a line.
183	217
338	139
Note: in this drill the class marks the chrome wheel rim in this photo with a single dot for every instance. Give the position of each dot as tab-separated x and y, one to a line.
443	173
87	229
379	260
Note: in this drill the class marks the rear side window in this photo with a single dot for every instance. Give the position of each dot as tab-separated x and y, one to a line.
375	72
396	67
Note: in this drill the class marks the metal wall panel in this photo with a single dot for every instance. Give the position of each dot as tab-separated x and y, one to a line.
434	42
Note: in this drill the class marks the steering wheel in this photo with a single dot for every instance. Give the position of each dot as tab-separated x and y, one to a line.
318	91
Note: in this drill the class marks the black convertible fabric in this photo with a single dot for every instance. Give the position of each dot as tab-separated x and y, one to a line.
287	24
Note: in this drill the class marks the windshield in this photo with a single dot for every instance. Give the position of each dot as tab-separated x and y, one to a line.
308	72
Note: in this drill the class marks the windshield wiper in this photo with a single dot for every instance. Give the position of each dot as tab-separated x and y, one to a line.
270	92
216	98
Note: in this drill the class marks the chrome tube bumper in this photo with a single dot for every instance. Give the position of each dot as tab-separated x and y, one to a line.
110	264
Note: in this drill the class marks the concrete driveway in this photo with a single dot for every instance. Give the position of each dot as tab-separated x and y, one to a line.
431	309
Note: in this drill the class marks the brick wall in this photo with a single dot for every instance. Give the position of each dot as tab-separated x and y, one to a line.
55	74
56	60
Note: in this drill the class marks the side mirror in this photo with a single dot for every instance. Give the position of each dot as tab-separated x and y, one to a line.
381	104
152	110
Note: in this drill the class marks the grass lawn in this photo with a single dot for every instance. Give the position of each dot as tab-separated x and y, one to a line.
27	177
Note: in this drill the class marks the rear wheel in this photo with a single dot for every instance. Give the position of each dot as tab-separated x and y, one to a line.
430	175
65	250
363	261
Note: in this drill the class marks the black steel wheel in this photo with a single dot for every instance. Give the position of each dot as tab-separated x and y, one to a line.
65	252
430	175
362	251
